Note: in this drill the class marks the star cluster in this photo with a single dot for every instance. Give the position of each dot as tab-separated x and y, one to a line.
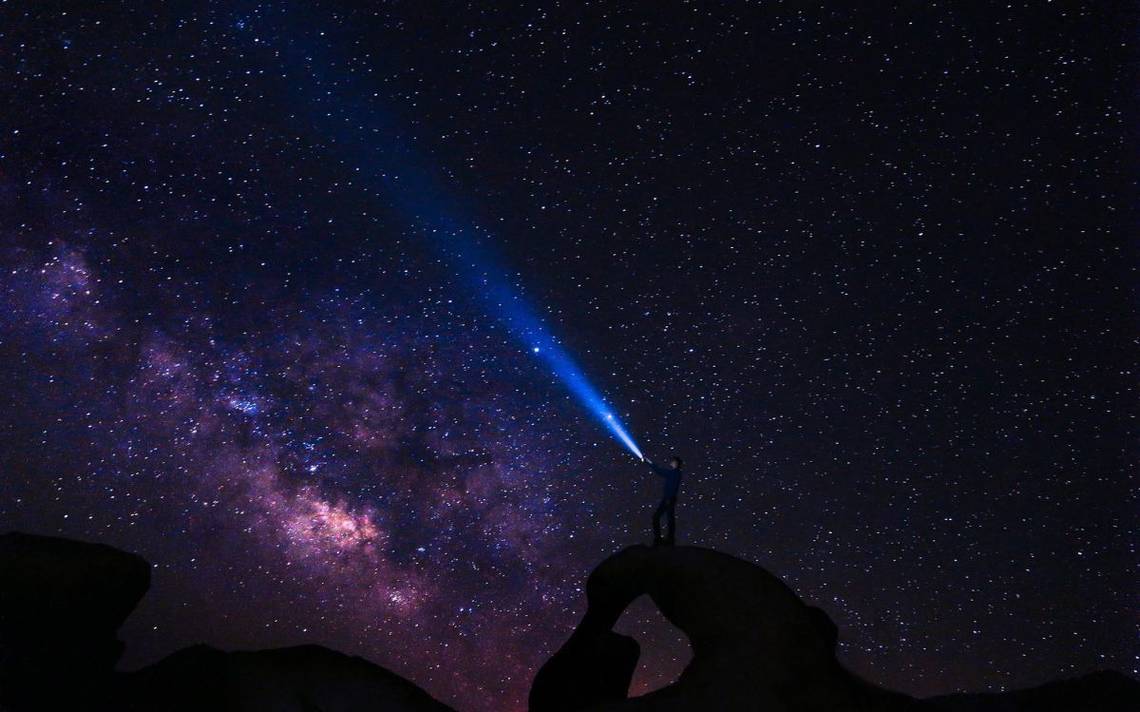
866	269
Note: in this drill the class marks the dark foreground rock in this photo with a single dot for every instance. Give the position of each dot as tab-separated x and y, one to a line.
756	646
304	678
61	604
594	666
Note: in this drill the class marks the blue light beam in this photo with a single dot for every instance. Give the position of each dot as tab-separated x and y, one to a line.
527	326
491	284
380	148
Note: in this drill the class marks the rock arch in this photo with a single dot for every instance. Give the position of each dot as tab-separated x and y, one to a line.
756	645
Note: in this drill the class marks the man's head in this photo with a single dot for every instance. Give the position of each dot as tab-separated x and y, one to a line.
676	462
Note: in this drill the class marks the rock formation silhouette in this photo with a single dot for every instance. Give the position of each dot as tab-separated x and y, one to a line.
756	646
61	603
1101	691
306	677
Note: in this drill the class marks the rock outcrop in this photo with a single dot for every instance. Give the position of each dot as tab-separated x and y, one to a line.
756	645
298	679
61	604
594	666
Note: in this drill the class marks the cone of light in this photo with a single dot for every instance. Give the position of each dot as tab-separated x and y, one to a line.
576	382
526	325
343	113
521	319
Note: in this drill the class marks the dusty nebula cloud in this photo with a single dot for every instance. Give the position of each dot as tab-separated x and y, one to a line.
389	470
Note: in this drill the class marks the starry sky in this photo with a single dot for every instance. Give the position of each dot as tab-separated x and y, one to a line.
866	269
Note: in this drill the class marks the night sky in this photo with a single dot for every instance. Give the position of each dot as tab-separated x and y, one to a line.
867	270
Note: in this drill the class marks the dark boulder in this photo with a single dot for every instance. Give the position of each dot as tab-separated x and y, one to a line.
299	679
756	645
61	603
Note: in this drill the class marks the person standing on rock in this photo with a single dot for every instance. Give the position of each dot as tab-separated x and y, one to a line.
668	505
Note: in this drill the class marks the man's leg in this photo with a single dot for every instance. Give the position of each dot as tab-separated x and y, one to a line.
671	521
661	508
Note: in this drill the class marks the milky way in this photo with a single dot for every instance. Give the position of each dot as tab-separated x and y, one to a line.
865	269
378	467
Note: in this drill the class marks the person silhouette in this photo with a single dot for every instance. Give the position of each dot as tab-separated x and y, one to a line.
668	504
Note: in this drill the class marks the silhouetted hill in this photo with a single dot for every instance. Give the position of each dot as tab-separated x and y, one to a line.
1102	691
756	646
307	677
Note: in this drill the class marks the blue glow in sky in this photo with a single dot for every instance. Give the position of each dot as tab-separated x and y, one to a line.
379	146
491	284
527	326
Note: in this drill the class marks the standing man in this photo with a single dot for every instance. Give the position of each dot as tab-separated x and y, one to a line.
668	505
